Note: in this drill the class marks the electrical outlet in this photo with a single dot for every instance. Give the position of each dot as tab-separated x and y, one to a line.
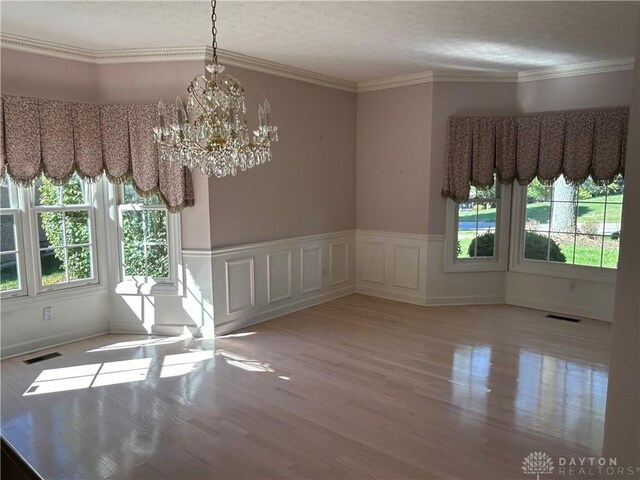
47	313
572	286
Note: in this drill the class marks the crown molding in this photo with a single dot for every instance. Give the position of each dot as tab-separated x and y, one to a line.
475	76
604	66
273	68
106	57
394	82
436	76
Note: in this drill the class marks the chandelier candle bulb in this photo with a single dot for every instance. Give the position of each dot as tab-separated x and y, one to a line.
267	113
211	134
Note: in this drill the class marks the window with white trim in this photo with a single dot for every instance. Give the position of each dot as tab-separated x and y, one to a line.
148	242
12	272
474	230
63	233
572	225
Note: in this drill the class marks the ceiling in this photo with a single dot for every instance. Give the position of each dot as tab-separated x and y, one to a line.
354	41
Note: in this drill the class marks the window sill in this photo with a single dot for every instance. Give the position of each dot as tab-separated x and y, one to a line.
132	287
571	272
469	266
43	299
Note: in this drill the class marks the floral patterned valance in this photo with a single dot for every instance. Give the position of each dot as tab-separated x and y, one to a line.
575	144
59	139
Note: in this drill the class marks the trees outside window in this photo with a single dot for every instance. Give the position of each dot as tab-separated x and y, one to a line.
574	224
145	239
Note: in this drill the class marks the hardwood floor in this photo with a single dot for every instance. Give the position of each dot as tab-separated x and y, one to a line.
355	388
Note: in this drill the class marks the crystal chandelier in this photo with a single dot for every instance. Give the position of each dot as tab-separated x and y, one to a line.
211	132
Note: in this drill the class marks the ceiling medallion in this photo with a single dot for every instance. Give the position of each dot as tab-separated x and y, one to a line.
211	133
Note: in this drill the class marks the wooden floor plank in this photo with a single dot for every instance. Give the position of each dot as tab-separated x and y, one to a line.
358	387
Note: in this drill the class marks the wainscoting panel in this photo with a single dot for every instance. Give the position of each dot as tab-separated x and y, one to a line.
311	269
338	263
406	265
279	276
240	281
372	256
254	283
392	265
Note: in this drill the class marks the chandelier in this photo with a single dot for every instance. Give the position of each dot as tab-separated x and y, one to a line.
211	132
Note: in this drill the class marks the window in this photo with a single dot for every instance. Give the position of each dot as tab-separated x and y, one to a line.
148	238
64	233
575	225
12	280
474	230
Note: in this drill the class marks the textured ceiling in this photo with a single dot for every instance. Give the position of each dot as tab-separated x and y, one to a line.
354	41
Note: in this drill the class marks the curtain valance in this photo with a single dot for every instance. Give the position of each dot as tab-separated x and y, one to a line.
575	144
59	139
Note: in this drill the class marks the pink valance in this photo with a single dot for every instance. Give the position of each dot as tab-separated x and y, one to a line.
575	144
59	139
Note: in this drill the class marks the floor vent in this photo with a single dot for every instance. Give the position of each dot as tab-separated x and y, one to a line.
566	319
42	358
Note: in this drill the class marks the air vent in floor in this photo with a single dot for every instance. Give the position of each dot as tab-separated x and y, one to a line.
566	319
42	358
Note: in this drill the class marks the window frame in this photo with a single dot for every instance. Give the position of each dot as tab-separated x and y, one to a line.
89	206
517	262
21	255
138	285
497	263
32	296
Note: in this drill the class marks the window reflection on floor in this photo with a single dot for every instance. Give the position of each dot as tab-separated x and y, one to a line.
553	395
470	377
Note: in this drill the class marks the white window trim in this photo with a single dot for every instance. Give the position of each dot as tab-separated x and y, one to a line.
142	286
21	254
32	295
517	262
497	263
40	288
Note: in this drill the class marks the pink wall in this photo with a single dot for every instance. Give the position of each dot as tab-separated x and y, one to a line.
147	83
586	91
309	186
622	420
393	138
32	75
459	98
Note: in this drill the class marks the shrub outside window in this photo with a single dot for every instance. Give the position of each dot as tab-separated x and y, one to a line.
476	223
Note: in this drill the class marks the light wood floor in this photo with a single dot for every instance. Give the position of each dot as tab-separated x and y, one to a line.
355	388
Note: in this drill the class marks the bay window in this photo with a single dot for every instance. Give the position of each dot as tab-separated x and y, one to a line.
148	242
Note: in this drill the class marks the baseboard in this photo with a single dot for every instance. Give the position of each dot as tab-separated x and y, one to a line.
270	314
563	308
392	295
466	300
52	341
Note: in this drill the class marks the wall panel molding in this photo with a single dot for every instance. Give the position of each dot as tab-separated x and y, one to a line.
278	276
277	291
240	284
392	265
310	269
338	263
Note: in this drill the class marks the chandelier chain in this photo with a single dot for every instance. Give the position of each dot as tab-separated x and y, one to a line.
214	31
